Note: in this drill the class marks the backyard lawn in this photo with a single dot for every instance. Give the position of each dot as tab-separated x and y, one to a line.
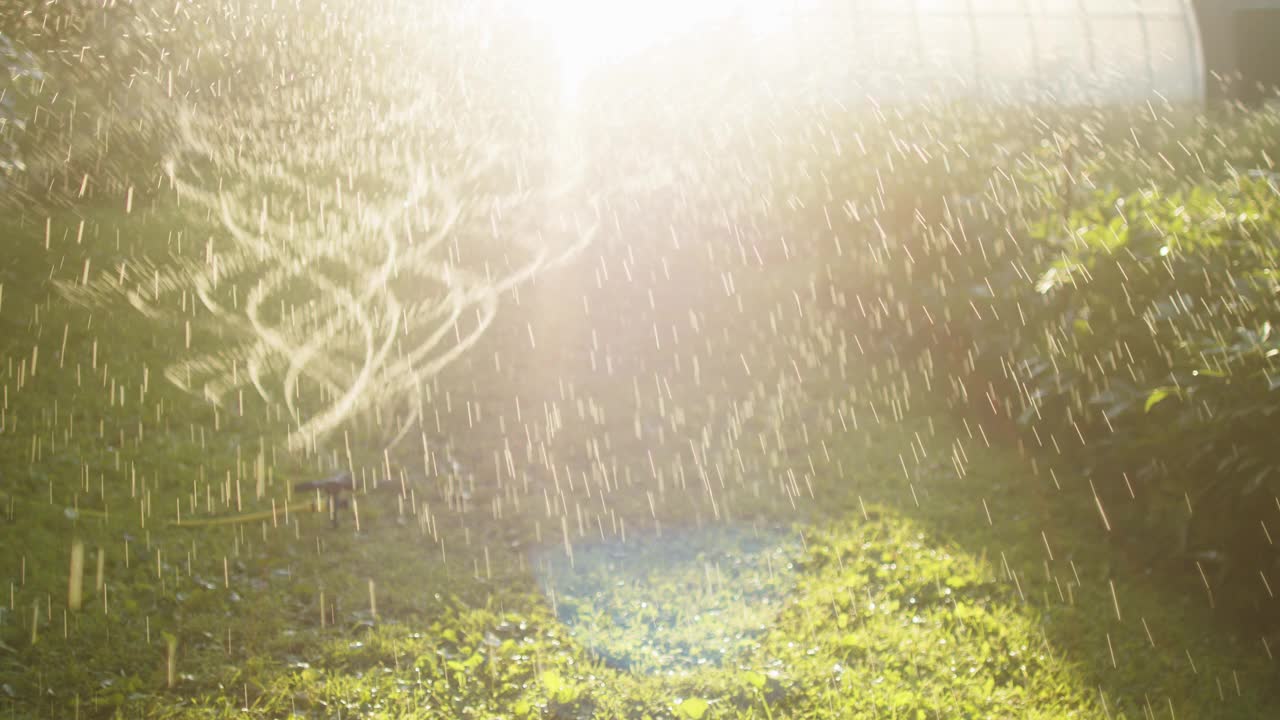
646	497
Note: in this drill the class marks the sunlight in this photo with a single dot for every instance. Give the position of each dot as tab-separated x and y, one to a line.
590	34
684	359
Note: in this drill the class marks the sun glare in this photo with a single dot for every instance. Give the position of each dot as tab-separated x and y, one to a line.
590	34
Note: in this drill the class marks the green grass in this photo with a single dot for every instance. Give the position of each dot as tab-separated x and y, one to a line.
893	588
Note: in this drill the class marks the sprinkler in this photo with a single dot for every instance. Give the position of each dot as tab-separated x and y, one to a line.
335	487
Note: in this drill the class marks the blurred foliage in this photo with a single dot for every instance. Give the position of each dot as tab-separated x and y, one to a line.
1158	323
1137	339
97	95
1100	282
1105	281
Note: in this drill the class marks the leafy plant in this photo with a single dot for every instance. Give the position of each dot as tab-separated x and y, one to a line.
1157	337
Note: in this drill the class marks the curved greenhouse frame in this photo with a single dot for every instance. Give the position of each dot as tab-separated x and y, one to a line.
1060	51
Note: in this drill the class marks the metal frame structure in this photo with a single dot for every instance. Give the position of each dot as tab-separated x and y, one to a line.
1226	58
1064	43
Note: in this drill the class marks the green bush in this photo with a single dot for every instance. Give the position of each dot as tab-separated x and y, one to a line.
1101	282
1157	339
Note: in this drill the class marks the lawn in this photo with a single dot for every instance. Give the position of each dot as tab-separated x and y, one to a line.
690	388
681	492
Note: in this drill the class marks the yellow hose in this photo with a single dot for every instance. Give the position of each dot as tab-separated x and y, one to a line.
307	506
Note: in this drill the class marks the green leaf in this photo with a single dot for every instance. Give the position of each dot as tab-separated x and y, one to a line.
552	681
472	662
755	679
693	708
1156	396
